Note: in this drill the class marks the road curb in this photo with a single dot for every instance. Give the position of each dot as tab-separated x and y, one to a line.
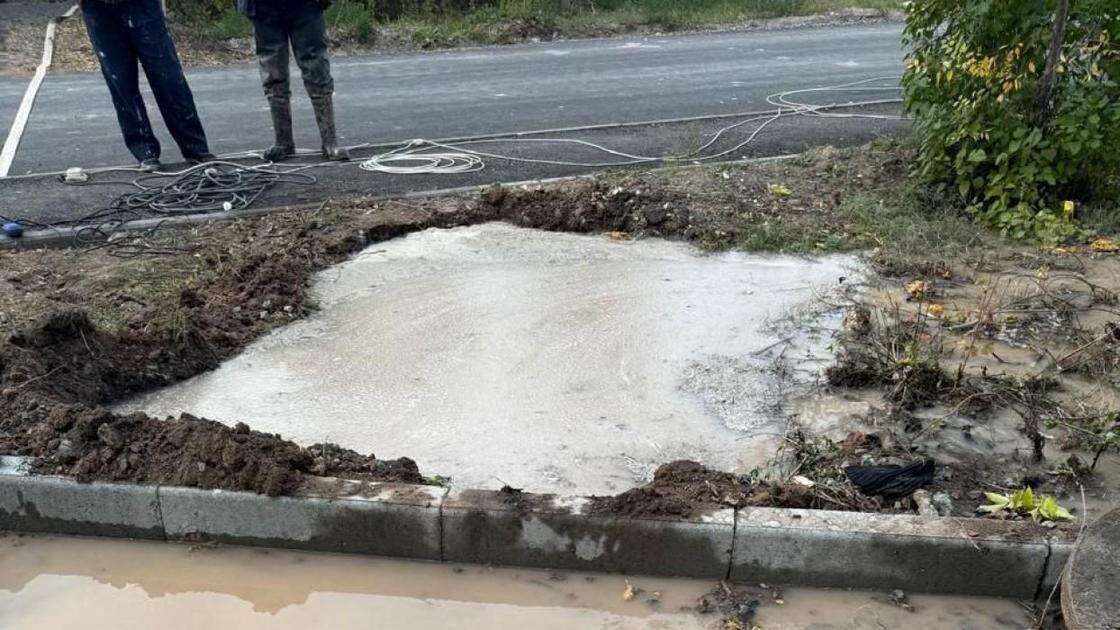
774	545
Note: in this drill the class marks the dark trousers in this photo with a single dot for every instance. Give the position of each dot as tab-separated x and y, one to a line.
134	33
303	32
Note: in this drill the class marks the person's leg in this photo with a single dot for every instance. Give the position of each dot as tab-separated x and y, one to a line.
273	53
309	42
151	38
118	61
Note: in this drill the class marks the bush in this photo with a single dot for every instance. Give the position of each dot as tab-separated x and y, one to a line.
1019	133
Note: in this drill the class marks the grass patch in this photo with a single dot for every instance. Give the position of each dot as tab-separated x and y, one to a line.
444	24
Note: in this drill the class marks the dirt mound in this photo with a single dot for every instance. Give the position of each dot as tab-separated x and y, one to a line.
680	489
334	461
95	444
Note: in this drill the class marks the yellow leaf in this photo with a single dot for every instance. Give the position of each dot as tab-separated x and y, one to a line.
917	289
779	190
937	310
1068	207
1105	246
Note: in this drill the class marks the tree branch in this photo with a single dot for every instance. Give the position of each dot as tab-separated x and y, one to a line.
1053	58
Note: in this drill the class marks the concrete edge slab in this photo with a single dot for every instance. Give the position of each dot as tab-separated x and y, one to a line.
482	527
399	521
881	552
773	545
60	506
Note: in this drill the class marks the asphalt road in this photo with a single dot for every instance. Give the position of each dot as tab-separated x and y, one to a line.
396	97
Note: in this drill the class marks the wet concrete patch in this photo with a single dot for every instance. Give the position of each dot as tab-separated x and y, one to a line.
552	362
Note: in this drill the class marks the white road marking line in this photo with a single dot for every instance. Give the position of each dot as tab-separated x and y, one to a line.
15	134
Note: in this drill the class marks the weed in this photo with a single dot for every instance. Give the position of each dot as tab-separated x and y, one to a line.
1025	503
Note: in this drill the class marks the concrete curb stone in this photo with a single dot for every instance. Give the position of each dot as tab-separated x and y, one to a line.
482	527
772	545
883	552
60	506
394	520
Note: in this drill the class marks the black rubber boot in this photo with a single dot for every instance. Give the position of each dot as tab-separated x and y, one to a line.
285	146
324	115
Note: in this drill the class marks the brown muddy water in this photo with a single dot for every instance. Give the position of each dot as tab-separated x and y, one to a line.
552	362
49	583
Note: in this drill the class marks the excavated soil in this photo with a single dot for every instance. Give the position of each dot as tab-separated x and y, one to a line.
685	488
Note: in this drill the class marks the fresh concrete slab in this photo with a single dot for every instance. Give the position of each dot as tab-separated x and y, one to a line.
496	355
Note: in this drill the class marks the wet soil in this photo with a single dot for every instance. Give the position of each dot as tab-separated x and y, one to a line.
1002	368
685	488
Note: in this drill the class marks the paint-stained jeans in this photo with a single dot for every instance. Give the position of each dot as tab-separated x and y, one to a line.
130	34
304	33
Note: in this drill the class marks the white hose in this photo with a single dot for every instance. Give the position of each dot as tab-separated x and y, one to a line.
419	157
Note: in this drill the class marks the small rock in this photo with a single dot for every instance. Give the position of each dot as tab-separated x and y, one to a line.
66	451
109	436
657	215
943	503
899	598
494	195
924	503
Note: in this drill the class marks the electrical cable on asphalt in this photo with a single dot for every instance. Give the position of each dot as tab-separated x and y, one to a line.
224	186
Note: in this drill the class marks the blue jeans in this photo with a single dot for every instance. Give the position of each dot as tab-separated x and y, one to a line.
130	34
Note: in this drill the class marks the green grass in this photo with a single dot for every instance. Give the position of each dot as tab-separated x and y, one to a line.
906	224
229	25
503	21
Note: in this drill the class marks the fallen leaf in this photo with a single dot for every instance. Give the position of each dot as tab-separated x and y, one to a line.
1105	246
918	289
937	310
628	592
779	190
804	481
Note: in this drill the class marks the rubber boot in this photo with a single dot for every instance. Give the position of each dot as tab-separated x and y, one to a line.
324	115
285	146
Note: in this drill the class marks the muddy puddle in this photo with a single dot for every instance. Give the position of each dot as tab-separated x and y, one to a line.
101	584
497	356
